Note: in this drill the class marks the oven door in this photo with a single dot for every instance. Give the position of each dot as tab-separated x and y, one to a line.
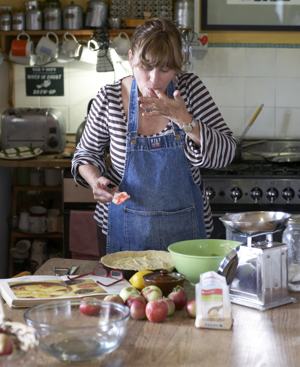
79	207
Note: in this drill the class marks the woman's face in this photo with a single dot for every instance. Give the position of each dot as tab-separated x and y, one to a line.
149	79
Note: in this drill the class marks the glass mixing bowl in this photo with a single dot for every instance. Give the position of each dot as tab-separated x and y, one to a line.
68	334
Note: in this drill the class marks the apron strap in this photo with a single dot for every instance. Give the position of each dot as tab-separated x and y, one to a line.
134	108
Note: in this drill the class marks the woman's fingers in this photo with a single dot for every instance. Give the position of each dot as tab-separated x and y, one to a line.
103	190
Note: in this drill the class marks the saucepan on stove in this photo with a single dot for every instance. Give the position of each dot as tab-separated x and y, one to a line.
251	121
288	156
284	157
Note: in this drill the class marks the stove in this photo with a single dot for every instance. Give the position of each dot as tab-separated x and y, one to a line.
254	182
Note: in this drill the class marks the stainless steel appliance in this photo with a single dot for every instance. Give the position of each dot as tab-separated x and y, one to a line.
256	182
36	127
261	279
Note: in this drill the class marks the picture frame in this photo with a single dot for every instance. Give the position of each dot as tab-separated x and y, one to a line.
255	15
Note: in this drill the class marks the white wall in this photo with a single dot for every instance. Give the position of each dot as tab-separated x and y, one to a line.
239	78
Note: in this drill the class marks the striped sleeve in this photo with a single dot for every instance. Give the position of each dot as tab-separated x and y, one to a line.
217	144
106	129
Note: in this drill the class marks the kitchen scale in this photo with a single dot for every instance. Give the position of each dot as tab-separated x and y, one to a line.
261	278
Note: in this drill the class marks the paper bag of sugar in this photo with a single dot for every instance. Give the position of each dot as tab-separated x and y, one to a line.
213	307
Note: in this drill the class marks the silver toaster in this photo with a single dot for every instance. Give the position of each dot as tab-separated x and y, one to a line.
36	127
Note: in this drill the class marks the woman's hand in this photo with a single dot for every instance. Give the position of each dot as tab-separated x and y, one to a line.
172	108
103	189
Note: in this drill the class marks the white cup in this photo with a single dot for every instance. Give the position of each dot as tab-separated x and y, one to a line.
70	46
89	52
24	222
37	219
37	224
53	220
47	47
121	44
38	252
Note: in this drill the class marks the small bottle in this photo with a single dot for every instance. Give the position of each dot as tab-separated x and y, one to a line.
291	237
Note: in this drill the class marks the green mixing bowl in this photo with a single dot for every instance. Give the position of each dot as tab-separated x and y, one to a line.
194	257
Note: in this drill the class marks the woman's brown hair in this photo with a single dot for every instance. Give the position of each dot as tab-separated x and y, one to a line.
157	43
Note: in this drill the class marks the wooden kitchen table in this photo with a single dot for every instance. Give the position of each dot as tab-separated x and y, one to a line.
258	339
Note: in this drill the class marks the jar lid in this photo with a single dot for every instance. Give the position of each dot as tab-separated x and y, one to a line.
163	276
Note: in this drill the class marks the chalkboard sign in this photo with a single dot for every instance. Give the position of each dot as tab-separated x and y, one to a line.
44	81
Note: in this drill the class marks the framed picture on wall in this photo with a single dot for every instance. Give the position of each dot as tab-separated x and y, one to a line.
250	15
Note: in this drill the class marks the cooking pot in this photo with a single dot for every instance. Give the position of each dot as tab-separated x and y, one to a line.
284	157
82	125
72	16
280	157
33	19
96	14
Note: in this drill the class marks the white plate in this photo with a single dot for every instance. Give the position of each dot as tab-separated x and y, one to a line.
20	153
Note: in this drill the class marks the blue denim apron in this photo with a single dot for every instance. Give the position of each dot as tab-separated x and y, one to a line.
165	204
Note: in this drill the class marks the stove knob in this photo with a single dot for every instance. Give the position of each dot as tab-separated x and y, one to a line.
288	194
210	192
272	194
256	194
236	194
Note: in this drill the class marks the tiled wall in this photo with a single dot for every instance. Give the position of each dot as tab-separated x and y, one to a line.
82	83
239	79
242	78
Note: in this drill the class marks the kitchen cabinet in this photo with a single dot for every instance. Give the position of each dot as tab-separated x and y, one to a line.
24	194
41	232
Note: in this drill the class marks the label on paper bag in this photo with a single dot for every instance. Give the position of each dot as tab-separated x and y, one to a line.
213	302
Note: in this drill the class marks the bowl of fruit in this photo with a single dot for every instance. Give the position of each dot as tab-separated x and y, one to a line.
78	330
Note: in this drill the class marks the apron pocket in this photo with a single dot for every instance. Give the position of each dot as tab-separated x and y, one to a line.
155	230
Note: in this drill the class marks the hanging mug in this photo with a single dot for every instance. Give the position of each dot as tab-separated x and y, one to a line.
48	46
70	47
89	52
121	44
21	45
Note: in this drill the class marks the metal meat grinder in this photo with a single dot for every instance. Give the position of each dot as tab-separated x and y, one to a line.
261	278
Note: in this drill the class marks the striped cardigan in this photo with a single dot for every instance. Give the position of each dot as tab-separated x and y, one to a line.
106	129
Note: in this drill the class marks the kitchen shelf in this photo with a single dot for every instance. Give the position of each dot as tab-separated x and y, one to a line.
19	234
37	188
24	197
80	34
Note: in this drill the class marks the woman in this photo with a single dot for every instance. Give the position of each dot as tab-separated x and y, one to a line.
160	126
